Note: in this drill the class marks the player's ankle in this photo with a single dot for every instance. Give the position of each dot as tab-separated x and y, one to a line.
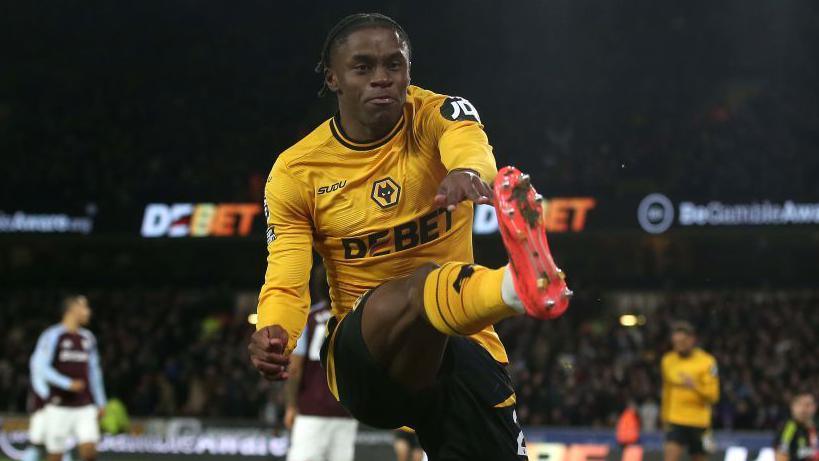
508	293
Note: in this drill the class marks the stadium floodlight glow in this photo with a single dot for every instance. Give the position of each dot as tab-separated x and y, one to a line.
628	320
632	320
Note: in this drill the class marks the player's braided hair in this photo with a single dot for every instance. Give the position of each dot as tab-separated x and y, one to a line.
345	27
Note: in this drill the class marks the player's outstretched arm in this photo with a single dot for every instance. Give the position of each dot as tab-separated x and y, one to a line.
284	300
451	126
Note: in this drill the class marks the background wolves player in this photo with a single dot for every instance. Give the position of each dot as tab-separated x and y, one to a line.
384	191
320	428
66	356
690	388
797	440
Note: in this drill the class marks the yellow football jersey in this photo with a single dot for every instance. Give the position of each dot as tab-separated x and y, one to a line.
368	210
681	404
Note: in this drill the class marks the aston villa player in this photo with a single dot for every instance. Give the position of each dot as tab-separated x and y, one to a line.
320	428
68	360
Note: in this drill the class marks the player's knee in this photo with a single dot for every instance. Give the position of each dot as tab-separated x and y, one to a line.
419	275
416	290
402	303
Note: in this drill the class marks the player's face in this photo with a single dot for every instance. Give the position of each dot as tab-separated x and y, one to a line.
369	73
682	342
82	311
804	408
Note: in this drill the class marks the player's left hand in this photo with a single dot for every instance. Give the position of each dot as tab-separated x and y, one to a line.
460	185
267	352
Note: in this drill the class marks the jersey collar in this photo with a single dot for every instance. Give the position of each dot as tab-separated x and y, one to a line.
346	141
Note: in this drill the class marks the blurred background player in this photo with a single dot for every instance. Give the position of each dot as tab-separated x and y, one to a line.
407	447
320	428
797	440
690	389
67	359
38	396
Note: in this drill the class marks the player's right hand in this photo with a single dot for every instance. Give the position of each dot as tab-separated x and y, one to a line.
267	352
77	385
462	184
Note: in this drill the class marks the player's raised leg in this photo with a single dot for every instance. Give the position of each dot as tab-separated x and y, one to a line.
407	321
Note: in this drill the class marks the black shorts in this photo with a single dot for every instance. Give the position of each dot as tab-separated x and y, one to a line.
468	414
687	436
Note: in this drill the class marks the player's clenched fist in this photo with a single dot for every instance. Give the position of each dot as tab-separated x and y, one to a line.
267	348
460	185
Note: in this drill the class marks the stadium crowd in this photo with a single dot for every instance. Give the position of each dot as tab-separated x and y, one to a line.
177	352
164	352
584	369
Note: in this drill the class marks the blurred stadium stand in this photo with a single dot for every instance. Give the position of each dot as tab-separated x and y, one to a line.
182	353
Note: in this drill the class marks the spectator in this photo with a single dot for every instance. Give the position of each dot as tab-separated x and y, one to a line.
578	370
